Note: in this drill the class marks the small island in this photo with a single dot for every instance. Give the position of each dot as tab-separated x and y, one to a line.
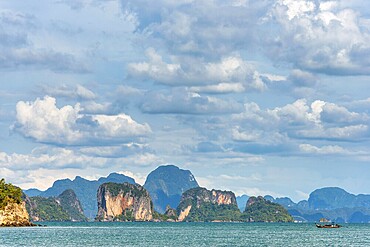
12	209
258	209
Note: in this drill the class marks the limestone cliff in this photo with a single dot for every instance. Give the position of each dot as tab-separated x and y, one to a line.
123	202
200	204
12	209
14	214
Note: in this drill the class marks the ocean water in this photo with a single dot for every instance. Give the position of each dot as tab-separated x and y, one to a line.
184	234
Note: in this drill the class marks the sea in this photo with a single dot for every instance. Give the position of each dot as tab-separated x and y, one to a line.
184	234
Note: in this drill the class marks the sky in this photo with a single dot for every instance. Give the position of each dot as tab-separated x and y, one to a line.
258	97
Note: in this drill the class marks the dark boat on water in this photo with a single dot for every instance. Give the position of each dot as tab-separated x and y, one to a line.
328	225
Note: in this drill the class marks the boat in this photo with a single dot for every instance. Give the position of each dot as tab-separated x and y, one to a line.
332	225
327	224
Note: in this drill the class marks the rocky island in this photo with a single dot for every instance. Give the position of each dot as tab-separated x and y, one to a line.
12	209
200	204
258	209
124	202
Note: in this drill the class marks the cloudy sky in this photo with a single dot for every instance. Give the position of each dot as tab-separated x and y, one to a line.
258	97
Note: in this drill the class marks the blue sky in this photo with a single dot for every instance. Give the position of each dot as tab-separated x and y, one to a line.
257	97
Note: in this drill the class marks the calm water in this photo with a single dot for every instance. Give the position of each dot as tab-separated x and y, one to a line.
185	234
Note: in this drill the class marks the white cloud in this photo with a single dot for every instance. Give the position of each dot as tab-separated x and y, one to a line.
44	165
68	91
231	72
220	88
297	8
55	158
331	149
302	79
238	135
348	133
182	101
333	113
122	150
319	120
44	122
307	34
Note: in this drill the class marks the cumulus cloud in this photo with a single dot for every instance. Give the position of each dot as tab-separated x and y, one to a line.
44	122
307	31
55	158
122	150
302	79
44	165
182	101
191	27
78	92
318	120
18	51
327	150
335	114
41	59
299	33
232	72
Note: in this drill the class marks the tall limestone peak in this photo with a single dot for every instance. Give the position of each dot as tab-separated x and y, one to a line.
123	202
200	204
166	185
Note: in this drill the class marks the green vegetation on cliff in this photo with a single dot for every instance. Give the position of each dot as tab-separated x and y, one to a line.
65	207
206	205
169	215
115	189
69	202
259	209
46	209
213	212
9	194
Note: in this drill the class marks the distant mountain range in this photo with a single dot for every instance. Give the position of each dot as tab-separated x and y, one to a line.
331	202
166	184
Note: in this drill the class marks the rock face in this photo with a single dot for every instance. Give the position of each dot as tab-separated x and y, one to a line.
69	202
65	207
200	204
258	209
14	214
170	212
166	185
12	209
123	202
85	190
